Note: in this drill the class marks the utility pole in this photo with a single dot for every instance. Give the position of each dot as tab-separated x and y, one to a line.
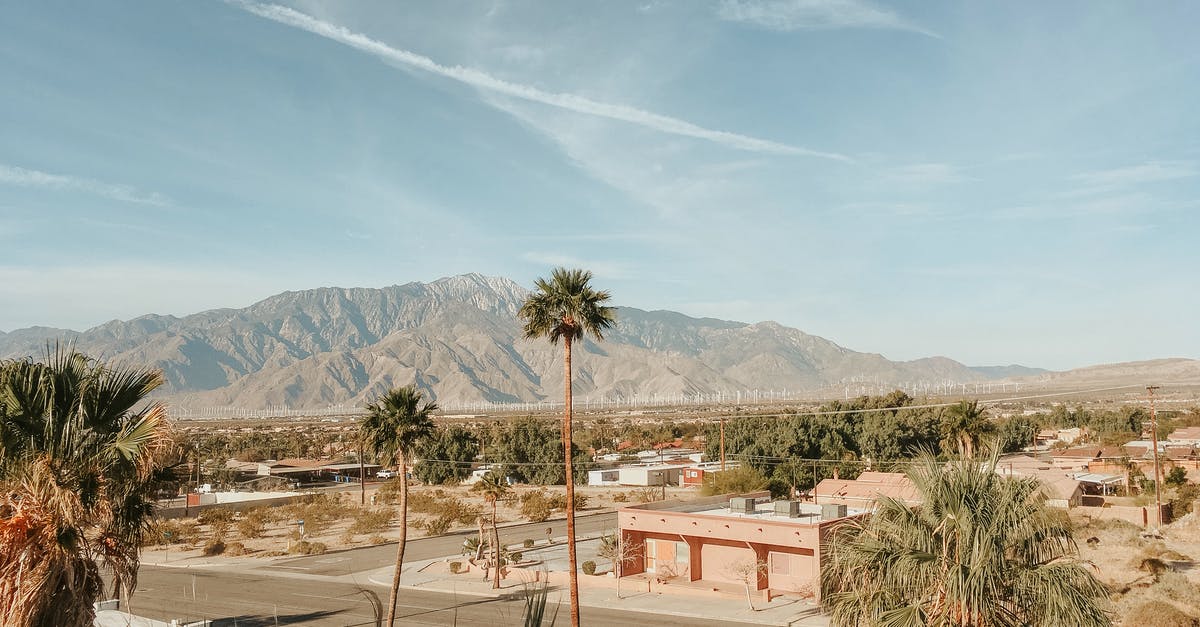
722	445
1157	474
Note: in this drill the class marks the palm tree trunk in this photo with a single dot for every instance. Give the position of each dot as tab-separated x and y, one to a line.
495	547
566	433
403	471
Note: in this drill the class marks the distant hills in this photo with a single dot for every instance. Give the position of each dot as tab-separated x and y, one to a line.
459	339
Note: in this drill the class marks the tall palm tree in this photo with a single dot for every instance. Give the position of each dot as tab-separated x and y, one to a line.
963	426
494	487
980	550
395	424
81	455
566	307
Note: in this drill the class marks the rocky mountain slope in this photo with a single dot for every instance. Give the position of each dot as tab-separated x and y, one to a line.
459	339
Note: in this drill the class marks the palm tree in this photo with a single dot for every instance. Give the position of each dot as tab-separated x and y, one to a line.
81	455
395	424
963	426
566	307
494	487
981	549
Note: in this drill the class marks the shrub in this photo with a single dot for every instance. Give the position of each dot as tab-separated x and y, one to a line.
515	557
251	525
346	538
214	547
535	506
377	539
1176	477
646	495
304	547
455	567
438	526
219	528
162	532
620	497
215	514
235	549
589	567
527	543
368	521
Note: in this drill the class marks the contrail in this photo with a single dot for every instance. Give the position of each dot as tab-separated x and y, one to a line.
482	80
13	175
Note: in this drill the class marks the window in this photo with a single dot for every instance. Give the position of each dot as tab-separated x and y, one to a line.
781	564
682	556
651	555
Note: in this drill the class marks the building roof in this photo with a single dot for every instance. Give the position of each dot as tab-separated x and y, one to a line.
868	487
1185	433
1079	452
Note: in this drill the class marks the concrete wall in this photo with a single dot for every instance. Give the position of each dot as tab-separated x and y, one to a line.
240	506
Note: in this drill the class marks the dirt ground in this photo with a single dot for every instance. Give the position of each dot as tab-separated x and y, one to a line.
1142	568
280	536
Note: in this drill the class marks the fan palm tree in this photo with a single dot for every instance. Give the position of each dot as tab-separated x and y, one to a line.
963	426
395	424
494	487
81	455
980	550
566	307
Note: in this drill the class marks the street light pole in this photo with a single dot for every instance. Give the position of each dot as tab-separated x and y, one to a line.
1157	473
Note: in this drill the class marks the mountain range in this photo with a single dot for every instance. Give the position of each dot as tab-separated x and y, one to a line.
459	339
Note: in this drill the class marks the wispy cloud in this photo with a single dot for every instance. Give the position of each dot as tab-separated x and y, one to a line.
484	81
1149	172
790	15
22	177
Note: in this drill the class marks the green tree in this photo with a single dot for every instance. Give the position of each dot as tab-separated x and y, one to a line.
81	455
494	487
963	427
446	456
395	425
530	451
980	550
733	481
566	307
1015	433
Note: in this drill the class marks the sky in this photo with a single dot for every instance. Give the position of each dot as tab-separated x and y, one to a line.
1003	182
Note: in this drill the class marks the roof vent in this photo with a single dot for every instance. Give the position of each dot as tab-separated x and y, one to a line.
742	505
791	509
832	511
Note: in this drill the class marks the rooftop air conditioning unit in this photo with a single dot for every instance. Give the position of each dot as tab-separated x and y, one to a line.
833	511
742	505
791	509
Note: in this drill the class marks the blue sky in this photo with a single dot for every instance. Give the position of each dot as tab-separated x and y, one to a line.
994	182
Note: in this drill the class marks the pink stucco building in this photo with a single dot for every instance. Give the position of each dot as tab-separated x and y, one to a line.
712	539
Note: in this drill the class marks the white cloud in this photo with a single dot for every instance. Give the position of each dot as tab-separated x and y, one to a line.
12	175
790	15
486	82
1149	172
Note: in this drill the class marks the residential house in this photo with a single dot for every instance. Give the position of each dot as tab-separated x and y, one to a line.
718	541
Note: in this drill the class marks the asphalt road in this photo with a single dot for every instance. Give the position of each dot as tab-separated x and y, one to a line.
370	558
263	599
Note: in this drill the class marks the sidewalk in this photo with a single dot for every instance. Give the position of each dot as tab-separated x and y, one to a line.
600	591
114	618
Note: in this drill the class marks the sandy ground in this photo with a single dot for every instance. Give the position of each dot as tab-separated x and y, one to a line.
1120	551
279	537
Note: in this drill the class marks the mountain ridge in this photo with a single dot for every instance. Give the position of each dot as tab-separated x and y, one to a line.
458	338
